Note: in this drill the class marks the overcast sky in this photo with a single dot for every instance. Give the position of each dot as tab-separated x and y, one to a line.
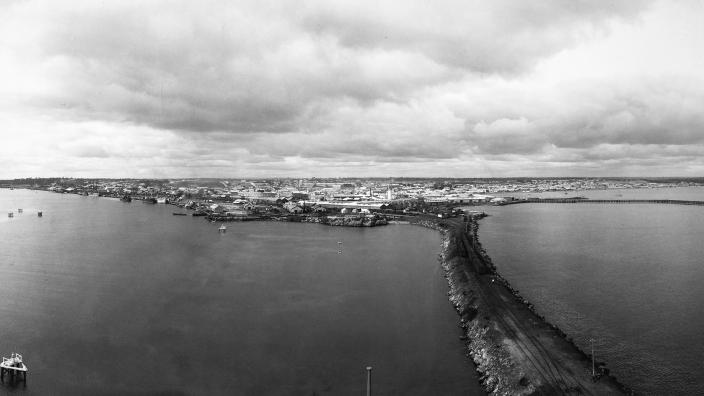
360	88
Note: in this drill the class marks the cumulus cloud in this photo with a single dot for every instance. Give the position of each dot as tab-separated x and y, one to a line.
252	87
651	112
487	37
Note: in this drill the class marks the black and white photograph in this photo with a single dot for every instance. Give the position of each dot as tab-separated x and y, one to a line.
323	197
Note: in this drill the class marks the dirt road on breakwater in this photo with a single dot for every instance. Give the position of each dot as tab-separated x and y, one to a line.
516	351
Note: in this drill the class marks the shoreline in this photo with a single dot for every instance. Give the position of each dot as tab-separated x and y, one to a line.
515	350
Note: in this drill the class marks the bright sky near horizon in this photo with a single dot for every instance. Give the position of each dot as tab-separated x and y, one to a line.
461	88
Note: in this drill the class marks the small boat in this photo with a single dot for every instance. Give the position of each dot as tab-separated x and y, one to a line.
126	198
222	228
179	214
39	213
162	200
19	210
10	214
13	366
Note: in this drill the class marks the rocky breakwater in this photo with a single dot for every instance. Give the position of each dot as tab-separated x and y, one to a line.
516	351
348	221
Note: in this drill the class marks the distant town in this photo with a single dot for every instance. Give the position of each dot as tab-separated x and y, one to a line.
250	199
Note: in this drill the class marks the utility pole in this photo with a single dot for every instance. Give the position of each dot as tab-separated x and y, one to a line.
369	380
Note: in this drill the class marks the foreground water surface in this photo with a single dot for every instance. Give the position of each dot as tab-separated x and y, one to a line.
105	297
629	276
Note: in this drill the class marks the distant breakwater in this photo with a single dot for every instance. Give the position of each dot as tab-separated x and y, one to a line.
605	201
515	349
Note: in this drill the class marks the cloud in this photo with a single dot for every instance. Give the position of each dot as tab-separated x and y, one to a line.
287	87
486	37
245	67
646	112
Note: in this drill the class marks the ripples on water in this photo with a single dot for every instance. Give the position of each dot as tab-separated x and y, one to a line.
105	297
630	276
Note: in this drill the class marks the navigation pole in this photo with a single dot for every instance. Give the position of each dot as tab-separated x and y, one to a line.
369	380
593	366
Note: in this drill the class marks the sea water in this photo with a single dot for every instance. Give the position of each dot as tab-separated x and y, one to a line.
107	297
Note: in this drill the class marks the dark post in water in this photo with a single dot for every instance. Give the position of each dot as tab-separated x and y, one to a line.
593	369
369	380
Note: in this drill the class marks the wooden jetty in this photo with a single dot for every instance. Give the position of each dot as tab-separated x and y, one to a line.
14	367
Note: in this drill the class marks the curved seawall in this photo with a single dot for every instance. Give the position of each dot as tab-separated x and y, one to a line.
516	351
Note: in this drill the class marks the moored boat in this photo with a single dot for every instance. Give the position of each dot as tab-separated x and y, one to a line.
14	367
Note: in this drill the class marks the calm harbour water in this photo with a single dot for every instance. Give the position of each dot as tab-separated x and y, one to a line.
105	297
630	276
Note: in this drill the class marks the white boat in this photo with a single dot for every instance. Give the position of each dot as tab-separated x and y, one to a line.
222	228
13	366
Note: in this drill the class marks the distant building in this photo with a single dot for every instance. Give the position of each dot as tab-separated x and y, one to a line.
292	207
217	208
